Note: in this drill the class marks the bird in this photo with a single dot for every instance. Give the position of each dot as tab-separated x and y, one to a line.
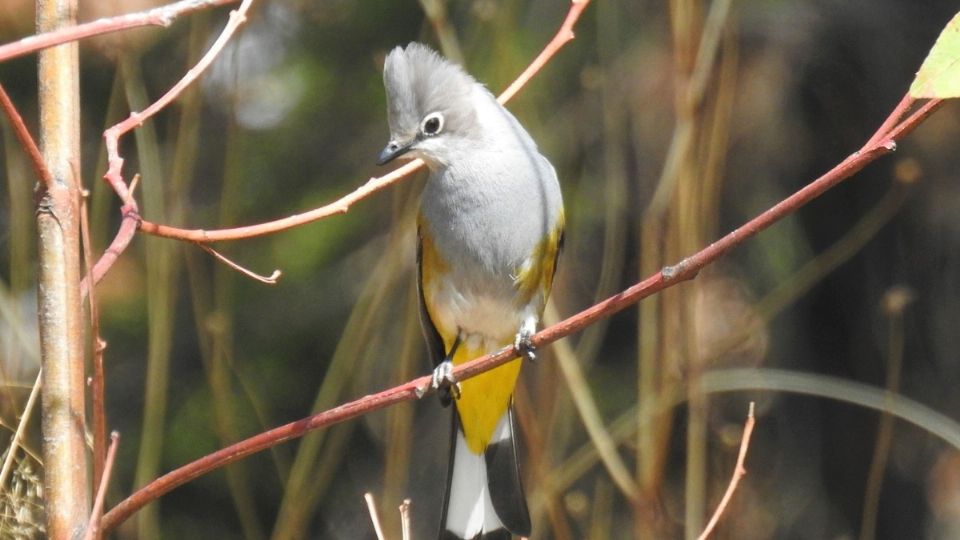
489	233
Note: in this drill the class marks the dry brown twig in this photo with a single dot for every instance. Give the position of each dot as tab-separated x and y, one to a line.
738	472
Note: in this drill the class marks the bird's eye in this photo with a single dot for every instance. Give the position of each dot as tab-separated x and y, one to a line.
432	124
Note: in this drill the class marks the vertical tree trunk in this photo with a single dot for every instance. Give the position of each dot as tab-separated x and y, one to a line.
61	321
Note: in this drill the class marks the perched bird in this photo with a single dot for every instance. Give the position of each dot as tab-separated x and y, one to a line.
490	228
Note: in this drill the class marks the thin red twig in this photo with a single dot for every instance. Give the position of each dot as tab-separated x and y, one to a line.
112	134
129	209
120	242
564	35
93	526
668	276
159	16
25	139
905	103
98	410
340	206
738	472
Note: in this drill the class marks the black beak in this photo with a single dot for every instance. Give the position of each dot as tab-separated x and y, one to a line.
394	150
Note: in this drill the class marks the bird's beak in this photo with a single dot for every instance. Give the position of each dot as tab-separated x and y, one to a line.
393	150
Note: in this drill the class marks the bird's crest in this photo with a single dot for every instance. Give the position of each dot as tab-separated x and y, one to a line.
419	81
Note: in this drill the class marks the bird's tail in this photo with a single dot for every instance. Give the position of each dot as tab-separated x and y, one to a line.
484	498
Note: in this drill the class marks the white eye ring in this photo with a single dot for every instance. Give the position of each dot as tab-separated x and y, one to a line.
432	124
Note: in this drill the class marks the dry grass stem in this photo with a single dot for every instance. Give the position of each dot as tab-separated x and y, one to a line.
374	516
21	427
405	519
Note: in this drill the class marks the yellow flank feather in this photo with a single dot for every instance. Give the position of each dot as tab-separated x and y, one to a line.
432	265
537	275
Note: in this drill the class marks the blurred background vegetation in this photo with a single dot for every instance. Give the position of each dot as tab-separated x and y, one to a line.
661	147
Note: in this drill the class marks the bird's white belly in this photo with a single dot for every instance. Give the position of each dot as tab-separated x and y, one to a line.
483	321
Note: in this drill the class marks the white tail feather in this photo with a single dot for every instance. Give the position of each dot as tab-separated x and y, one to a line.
470	510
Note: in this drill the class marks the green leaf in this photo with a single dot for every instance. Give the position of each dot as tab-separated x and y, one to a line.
939	76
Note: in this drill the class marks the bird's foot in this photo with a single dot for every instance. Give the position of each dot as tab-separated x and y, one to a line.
445	384
523	343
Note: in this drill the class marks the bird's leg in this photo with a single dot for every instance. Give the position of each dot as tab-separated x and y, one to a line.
522	343
443	381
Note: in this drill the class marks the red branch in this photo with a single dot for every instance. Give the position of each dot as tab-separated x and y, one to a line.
114	176
112	135
738	472
160	16
25	139
668	276
564	35
340	206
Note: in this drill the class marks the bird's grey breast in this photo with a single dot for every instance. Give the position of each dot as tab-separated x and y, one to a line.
490	209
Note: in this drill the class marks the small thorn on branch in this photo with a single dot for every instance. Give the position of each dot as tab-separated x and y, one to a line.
134	183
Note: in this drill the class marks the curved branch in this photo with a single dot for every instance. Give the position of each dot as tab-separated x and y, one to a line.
160	16
114	175
340	206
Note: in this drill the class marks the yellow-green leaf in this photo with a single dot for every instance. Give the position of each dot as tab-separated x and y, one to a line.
939	76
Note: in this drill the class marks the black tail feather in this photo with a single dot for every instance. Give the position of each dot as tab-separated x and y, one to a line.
454	428
503	479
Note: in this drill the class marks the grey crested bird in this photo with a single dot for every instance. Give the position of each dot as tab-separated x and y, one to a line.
490	229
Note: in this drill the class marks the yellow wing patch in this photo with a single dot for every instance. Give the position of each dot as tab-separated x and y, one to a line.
537	275
432	269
